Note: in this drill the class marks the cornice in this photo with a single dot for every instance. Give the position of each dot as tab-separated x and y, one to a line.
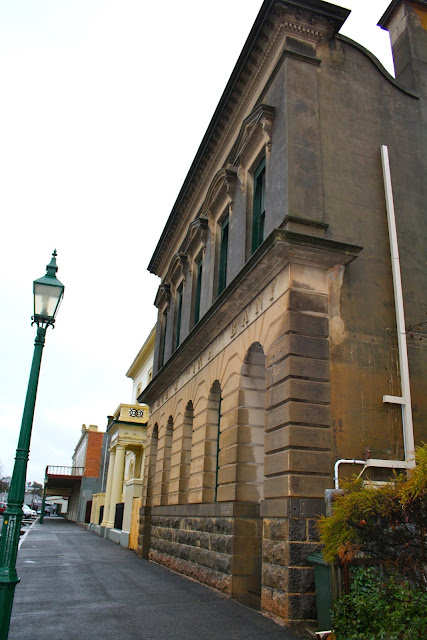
306	19
142	355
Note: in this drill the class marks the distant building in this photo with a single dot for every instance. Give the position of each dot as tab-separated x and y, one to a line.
88	455
276	351
115	511
141	369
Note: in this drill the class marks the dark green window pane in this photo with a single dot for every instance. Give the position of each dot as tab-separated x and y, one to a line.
217	447
162	346
178	315
223	254
258	212
199	265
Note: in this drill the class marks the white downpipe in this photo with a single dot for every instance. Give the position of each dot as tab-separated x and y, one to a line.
405	400
345	461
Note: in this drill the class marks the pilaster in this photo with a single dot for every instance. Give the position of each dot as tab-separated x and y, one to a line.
117	483
110	475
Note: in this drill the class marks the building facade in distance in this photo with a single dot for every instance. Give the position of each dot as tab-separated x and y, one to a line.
276	350
89	456
115	510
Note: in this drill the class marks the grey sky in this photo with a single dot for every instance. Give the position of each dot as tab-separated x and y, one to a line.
103	106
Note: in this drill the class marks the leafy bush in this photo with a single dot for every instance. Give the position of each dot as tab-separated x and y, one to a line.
388	524
380	608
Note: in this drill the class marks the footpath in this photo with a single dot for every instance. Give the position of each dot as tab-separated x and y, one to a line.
78	586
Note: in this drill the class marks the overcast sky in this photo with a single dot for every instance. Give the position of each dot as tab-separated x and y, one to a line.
103	106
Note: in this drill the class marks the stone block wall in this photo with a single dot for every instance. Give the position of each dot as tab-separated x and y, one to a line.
198	547
287	576
218	545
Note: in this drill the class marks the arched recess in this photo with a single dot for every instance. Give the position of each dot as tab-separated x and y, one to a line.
165	458
251	427
181	458
204	451
151	461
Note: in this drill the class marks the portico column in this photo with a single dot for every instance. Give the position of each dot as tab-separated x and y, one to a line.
110	474
117	484
141	473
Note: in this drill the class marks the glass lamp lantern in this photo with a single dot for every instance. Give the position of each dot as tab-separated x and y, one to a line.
48	293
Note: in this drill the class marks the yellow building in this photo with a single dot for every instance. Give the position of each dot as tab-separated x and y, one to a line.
115	511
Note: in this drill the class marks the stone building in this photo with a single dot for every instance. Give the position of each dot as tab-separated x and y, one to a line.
276	346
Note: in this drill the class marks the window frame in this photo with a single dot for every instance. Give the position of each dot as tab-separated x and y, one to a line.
258	205
178	313
164	327
197	284
224	226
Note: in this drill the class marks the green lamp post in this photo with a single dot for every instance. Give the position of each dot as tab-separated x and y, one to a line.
43	499
48	293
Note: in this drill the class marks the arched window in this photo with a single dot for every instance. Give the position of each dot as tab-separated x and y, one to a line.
205	450
167	452
152	462
214	422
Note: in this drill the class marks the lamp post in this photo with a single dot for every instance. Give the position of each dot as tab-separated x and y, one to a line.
48	293
43	498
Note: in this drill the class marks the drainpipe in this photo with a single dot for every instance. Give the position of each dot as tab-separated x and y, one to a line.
405	399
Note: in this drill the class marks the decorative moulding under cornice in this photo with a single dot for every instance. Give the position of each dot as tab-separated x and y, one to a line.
197	232
177	269
256	130
220	195
313	21
163	296
223	184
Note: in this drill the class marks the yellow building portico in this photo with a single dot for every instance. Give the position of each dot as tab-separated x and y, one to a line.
126	431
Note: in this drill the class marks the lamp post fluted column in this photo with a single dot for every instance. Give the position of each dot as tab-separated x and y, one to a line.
43	499
13	514
48	292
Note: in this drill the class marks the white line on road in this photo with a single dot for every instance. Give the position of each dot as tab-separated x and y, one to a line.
21	540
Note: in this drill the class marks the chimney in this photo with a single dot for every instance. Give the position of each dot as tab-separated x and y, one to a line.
406	22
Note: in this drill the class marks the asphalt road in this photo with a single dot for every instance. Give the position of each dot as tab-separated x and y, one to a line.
78	586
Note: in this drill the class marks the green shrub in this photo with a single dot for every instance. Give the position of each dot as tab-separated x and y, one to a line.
380	607
388	524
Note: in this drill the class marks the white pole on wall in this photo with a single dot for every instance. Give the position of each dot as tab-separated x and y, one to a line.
405	400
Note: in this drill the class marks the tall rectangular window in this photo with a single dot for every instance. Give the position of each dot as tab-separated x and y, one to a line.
179	292
163	337
258	211
198	269
223	255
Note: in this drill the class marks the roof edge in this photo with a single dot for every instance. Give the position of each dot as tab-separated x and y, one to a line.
382	22
326	9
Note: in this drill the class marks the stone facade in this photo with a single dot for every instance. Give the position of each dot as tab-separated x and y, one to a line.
276	335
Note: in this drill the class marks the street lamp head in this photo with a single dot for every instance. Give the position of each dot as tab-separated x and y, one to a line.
48	293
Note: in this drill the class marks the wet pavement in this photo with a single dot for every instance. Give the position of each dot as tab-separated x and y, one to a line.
78	586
